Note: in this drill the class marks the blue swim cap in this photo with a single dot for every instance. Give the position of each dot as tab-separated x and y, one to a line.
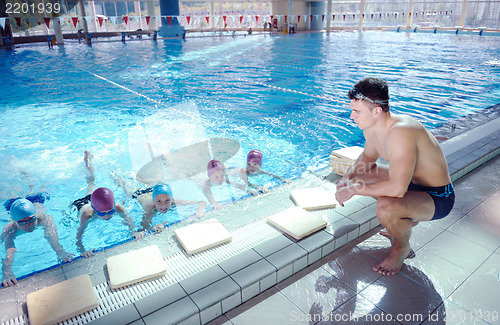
21	208
162	189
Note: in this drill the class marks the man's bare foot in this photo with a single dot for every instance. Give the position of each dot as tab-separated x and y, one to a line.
393	262
386	234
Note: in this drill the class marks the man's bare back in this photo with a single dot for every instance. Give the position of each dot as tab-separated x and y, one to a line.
430	167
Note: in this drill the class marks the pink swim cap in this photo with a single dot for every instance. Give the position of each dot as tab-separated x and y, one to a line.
102	199
213	166
255	156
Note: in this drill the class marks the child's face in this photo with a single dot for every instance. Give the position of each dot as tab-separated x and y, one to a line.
28	224
217	177
253	167
162	202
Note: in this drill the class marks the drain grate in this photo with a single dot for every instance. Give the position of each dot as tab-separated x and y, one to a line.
179	267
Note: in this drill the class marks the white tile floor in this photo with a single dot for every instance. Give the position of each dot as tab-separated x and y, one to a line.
454	278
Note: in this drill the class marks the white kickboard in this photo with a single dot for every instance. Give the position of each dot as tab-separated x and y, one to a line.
61	301
342	159
203	235
313	198
296	222
135	266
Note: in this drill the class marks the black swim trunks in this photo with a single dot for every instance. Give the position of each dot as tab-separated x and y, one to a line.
443	197
140	192
81	202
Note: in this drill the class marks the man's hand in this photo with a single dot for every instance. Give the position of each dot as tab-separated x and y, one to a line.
344	181
343	194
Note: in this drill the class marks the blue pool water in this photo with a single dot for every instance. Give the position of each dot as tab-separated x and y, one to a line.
285	95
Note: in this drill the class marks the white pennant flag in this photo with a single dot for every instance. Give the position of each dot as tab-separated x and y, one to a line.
2	21
113	20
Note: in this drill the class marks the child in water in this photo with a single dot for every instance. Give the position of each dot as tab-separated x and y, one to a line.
156	199
98	203
26	215
254	167
217	176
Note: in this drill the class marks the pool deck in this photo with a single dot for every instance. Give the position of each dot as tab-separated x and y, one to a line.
262	275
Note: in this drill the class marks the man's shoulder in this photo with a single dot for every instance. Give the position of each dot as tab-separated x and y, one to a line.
405	125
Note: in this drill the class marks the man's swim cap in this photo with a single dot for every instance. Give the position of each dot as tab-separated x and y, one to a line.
255	156
161	189
213	166
102	199
21	208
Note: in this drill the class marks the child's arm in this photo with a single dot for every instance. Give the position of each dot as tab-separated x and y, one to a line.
201	206
284	180
120	209
208	193
8	234
50	233
244	188
84	220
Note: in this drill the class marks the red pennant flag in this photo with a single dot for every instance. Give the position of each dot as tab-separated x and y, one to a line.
18	21
310	17
208	19
241	19
322	17
272	17
286	18
224	17
101	19
353	16
344	17
75	20
257	19
147	20
371	17
47	22
188	19
298	19
125	19
333	17
169	19
363	15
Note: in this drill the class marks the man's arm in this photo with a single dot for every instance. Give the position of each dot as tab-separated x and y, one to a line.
402	154
365	162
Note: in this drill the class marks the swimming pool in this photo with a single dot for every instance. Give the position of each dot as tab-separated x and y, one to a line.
285	95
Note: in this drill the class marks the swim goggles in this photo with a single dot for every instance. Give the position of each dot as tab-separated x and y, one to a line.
23	222
358	95
103	213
